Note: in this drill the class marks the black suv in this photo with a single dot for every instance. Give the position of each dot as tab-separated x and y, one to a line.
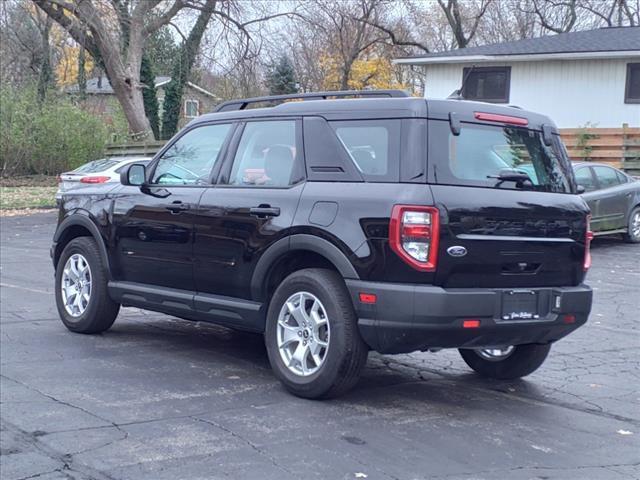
342	225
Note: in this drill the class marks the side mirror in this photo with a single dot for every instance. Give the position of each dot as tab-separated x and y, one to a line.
580	190
134	175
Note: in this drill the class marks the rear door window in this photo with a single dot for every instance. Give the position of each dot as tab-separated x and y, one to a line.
97	166
268	155
607	177
374	147
482	153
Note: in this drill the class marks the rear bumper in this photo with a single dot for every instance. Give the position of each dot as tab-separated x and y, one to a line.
409	317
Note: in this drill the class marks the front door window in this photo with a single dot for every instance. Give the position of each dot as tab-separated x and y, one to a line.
190	160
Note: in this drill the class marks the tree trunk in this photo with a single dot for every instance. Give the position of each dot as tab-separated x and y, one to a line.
181	71
45	75
82	74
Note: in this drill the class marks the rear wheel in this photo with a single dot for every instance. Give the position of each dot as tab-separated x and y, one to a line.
506	363
633	227
312	336
82	299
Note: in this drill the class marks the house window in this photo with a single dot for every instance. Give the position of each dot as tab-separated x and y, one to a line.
632	90
191	108
487	84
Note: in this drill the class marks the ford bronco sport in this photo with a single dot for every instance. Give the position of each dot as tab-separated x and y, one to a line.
341	225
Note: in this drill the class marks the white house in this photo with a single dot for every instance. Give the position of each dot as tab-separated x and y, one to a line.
578	78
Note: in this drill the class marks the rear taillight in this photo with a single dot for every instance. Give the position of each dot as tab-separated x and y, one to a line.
413	234
94	179
59	179
587	245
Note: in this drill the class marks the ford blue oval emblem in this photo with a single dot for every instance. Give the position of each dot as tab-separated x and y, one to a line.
457	251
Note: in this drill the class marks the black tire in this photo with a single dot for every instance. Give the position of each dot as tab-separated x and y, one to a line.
629	236
522	361
101	311
346	353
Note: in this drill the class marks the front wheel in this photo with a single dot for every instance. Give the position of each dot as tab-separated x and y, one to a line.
506	363
312	336
82	299
633	228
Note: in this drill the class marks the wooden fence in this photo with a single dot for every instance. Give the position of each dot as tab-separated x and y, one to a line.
618	147
134	149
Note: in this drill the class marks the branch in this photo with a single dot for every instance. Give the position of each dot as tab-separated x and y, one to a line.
163	19
80	35
394	39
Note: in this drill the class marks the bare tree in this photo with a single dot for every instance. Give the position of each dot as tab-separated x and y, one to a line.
114	32
464	20
558	16
614	12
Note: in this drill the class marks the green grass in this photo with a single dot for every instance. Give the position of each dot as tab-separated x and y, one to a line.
25	197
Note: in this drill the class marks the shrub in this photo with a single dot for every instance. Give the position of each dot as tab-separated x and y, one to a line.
49	138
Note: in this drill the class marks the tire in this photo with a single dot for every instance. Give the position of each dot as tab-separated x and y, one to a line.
345	353
99	311
633	223
523	360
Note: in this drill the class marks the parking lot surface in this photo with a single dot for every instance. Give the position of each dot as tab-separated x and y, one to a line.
162	398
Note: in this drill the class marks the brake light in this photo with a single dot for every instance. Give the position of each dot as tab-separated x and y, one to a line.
494	117
587	245
59	179
94	179
413	235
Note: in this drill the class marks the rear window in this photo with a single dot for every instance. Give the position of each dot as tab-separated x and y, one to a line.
97	166
481	154
373	145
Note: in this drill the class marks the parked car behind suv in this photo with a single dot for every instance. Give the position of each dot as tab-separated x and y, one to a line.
338	226
102	171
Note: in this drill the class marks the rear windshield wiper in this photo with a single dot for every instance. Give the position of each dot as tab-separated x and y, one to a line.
519	177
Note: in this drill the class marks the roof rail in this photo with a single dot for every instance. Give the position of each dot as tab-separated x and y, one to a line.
242	103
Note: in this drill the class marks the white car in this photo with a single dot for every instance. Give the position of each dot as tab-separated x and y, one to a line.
105	170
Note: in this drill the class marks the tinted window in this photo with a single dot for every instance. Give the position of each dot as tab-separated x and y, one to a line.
373	146
97	166
481	153
585	179
191	158
622	178
140	162
607	177
632	90
489	84
266	155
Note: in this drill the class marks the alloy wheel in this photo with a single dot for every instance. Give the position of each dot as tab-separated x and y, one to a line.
495	354
635	225
76	285
303	333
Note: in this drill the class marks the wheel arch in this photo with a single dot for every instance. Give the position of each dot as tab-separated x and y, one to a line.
75	226
294	253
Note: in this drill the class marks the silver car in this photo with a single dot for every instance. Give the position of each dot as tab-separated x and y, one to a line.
614	199
105	170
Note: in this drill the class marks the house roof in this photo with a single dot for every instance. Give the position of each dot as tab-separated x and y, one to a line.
600	43
101	86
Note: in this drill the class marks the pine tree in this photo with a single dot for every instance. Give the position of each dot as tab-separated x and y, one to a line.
148	80
281	78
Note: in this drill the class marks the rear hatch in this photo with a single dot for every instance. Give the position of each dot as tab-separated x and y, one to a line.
511	217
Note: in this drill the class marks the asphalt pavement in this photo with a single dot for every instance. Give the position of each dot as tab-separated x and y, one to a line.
160	398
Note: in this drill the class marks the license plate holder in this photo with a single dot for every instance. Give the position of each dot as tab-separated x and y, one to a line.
519	305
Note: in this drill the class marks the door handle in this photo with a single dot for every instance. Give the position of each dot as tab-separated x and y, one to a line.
177	207
263	211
